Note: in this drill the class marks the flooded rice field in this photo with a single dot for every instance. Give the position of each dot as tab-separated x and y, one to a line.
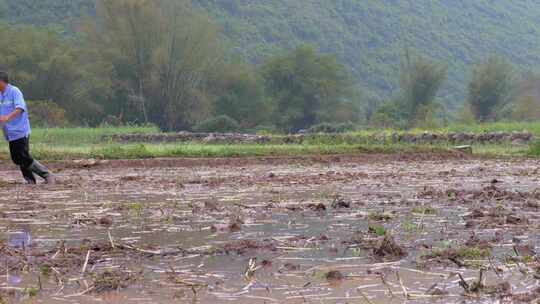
362	229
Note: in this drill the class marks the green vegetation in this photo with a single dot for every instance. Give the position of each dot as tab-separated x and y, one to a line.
45	270
163	62
79	143
332	128
271	65
368	36
82	136
377	229
380	216
533	127
424	210
463	252
136	151
420	81
527	99
490	89
222	123
535	149
309	89
47	114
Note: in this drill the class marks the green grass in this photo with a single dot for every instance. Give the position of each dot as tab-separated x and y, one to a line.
463	252
80	135
535	149
134	151
533	127
78	143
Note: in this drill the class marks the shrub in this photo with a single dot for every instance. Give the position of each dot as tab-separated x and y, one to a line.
47	114
265	130
420	80
390	115
490	88
466	115
431	116
526	108
332	128
222	123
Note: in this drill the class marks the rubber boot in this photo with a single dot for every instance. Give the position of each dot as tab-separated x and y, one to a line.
28	175
42	171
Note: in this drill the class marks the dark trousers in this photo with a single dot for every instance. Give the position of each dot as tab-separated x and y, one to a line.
20	154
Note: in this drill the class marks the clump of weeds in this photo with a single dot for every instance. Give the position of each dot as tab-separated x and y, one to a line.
425	210
458	255
410	227
334	277
389	249
136	209
379	216
339	203
45	270
113	280
377	229
32	291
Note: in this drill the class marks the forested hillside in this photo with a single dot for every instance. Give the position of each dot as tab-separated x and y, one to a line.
370	35
367	35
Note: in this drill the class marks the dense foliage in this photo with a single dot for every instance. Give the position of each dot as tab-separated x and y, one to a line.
222	123
166	62
527	105
367	36
163	62
416	105
309	89
490	88
48	68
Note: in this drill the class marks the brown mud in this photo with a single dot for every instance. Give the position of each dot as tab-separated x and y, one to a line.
420	228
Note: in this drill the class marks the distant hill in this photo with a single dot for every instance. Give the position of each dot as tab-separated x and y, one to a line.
367	35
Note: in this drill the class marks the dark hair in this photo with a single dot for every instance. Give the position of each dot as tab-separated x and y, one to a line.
4	77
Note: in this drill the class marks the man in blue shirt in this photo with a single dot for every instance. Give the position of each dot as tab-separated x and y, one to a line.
16	126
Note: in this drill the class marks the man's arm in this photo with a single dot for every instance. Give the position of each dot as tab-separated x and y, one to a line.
20	107
11	116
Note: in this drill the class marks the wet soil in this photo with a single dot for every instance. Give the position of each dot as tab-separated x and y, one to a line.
334	229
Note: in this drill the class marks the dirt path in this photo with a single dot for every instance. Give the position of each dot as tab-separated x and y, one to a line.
336	229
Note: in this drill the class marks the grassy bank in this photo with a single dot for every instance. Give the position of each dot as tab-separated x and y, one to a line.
82	136
533	127
77	143
135	151
535	149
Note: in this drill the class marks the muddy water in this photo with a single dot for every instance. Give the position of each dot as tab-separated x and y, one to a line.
188	234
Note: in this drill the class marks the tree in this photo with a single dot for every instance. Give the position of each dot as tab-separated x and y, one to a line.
309	88
3	8
188	52
160	53
127	33
46	114
241	96
526	105
490	88
420	80
47	67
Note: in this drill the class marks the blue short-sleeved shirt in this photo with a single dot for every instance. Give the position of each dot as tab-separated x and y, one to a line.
11	99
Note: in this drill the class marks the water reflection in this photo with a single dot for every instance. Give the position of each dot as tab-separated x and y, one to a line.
19	239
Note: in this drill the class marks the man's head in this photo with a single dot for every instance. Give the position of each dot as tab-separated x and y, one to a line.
4	81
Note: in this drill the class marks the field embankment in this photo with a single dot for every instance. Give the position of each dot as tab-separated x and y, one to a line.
500	139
